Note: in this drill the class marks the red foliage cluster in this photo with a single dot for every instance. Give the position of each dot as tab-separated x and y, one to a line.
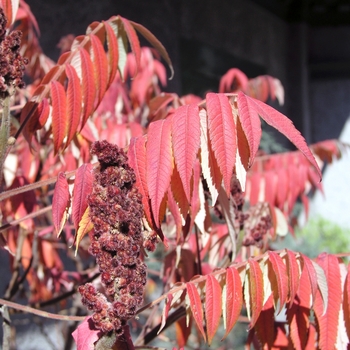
12	64
116	212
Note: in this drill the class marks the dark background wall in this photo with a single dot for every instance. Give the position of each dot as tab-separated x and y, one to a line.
295	41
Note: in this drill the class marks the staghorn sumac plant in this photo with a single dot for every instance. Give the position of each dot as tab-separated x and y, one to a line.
159	193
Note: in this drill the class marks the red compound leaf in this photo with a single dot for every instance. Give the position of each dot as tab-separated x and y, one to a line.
60	203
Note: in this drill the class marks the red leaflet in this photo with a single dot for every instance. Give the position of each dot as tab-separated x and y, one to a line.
133	40
328	321
215	173
88	85
113	52
49	76
100	67
264	326
280	122
74	100
256	290
258	88
59	115
327	150
159	102
314	179
255	186
195	199
186	141
82	188
10	8
280	271
60	203
250	124
233	80
233	299
293	275
298	313
346	302
159	160
213	305
183	331
155	43
137	160
222	133
312	275
165	312
175	211
312	338
38	118
179	192
195	304
242	144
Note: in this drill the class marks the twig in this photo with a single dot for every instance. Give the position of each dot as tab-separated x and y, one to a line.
6	326
21	279
41	313
29	216
16	265
38	184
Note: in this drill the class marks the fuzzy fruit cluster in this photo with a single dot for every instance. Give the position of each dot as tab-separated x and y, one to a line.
116	211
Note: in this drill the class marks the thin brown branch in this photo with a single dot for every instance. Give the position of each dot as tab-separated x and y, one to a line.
29	216
41	313
16	265
38	184
6	327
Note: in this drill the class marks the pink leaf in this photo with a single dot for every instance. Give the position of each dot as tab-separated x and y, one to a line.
59	115
60	202
196	306
100	66
328	321
86	335
222	133
250	124
82	188
137	160
113	52
155	43
88	85
159	163
74	100
186	141
255	108
133	40
213	304
234	298
280	271
256	290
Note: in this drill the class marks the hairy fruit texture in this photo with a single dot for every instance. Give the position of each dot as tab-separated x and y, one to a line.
116	212
12	64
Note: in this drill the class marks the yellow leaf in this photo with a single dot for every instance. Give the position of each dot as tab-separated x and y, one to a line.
85	225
